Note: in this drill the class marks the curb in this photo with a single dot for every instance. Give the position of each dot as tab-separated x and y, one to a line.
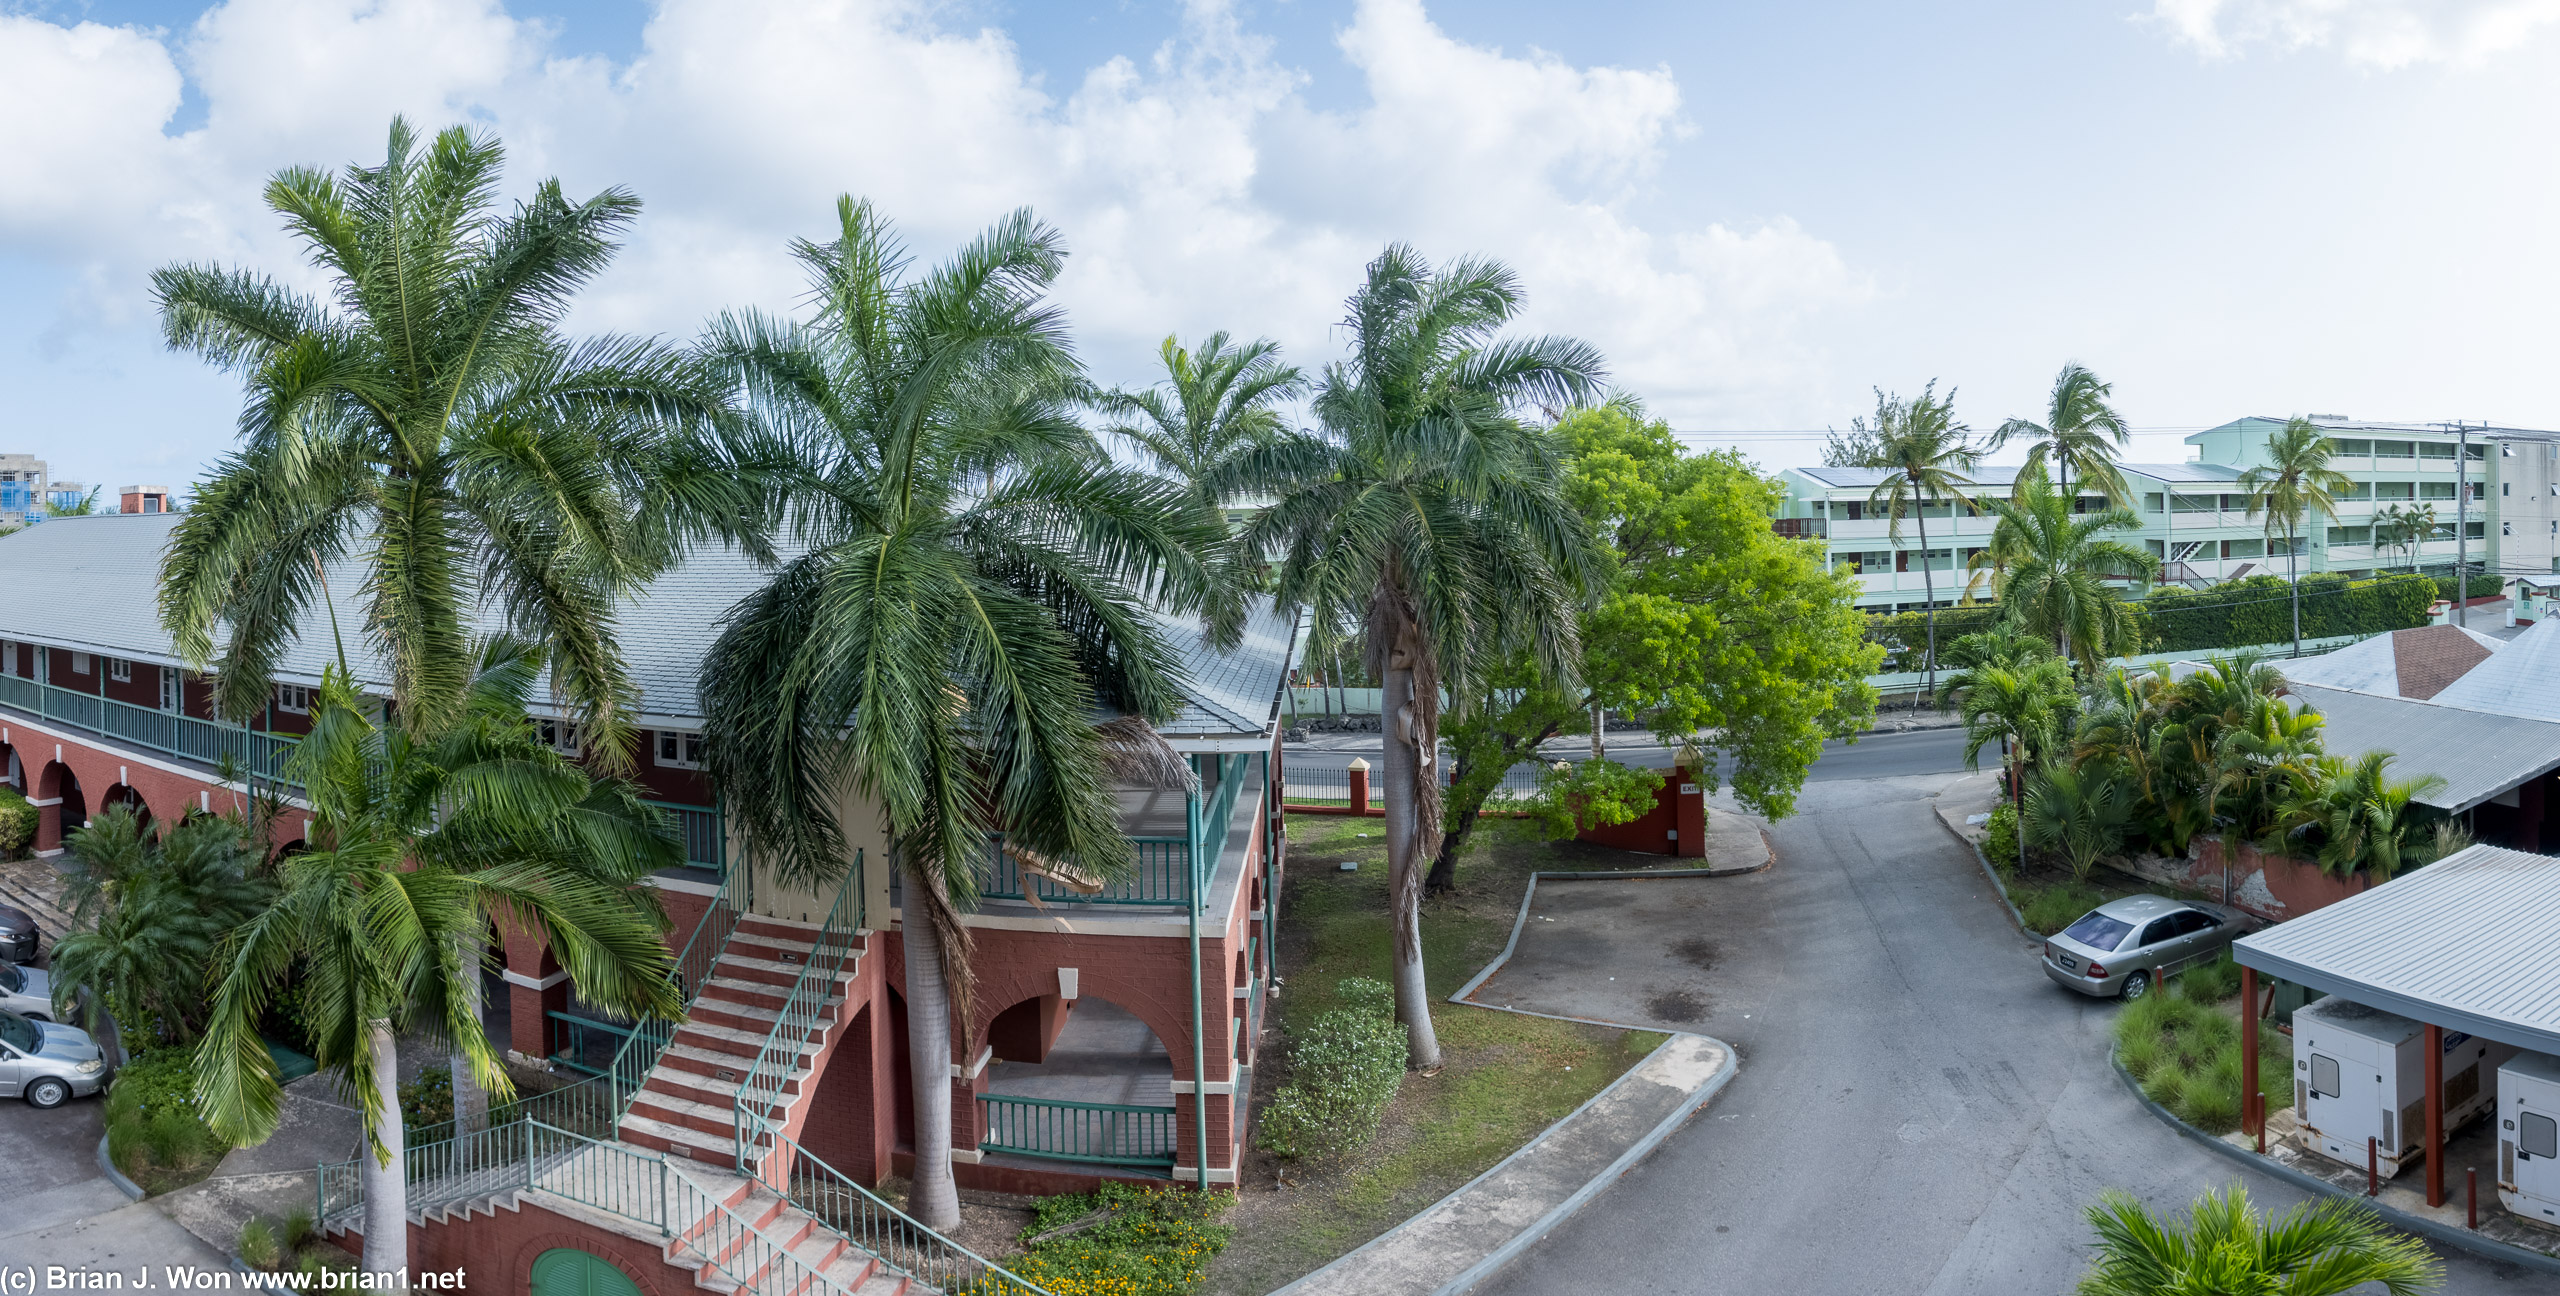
107	1165
1459	996
1998	887
2458	1238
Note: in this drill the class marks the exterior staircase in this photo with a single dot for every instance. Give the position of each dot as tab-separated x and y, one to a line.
687	1106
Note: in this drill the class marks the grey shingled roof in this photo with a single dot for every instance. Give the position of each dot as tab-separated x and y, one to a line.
2464	942
2522	679
2478	753
91	584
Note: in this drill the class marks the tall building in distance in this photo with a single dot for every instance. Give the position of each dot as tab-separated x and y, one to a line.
2194	516
25	483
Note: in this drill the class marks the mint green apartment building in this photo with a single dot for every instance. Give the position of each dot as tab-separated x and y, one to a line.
2194	515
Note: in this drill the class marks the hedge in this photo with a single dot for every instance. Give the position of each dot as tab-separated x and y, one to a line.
2234	614
1343	1072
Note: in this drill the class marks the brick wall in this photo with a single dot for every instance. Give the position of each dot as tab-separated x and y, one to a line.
496	1252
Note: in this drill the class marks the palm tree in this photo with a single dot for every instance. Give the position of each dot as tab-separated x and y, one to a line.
2319	1248
2052	565
2020	707
975	578
86	506
1926	455
2295	482
2358	818
151	914
428	414
2080	431
1212	405
417	845
2080	811
1427	503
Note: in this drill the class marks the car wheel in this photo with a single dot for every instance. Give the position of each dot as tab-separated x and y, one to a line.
48	1093
2136	986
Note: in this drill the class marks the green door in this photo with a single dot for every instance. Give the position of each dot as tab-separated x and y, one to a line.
563	1272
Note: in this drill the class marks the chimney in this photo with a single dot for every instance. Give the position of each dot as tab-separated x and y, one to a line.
144	499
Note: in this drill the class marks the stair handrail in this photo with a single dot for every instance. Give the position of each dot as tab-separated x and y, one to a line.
647	1188
896	1239
758	1098
694	965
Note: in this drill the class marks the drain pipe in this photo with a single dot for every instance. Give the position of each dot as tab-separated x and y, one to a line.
1199	1049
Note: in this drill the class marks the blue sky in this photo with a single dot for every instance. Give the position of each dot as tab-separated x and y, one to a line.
1760	212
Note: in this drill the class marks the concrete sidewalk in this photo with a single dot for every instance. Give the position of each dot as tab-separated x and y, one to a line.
1464	1237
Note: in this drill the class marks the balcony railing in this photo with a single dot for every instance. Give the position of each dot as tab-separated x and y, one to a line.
1099	1133
706	840
1170	870
261	755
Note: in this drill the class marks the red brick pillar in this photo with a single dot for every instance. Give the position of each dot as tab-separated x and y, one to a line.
536	988
1360	786
1691	810
48	826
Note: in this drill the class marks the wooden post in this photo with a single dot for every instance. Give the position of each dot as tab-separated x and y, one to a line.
2435	1114
2250	1114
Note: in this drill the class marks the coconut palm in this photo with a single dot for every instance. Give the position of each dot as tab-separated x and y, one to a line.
973	580
2295	482
2319	1248
2358	819
428	415
1212	405
1925	455
2051	566
2081	432
419	842
2021	707
1428	504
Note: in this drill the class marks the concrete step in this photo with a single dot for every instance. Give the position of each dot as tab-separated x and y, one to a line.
713	1038
737	1016
686	1065
762	994
702	1117
753	966
719	1150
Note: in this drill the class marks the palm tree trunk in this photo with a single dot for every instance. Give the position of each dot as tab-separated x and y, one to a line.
1929	608
1401	763
2293	573
470	1101
1599	733
934	1197
385	1177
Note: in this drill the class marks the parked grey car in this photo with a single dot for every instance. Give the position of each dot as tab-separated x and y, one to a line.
2125	947
18	935
46	1064
26	992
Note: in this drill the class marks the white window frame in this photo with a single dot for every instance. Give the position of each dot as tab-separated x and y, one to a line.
79	662
293	699
9	658
120	670
173	693
677	749
558	735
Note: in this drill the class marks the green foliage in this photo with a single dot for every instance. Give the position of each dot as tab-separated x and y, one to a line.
2186	1053
2000	839
155	910
2211	983
2482	585
2049	909
17	822
259	1248
2353	817
1343	1071
1904	636
2052	566
2081	812
1573	798
1151	1241
154	1131
2323	1248
2258	610
427	1100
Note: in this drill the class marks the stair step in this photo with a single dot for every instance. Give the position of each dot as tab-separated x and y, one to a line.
739	991
688	1065
744	967
707	1118
728	1039
736	1016
718	1150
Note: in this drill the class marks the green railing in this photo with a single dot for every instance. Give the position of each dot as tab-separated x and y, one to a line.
586	1106
577	1033
694	965
706	841
881	1229
758	1108
1170	870
261	754
1101	1133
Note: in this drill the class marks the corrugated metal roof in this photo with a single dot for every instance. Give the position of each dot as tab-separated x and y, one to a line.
2464	942
2211	474
92	583
2523	679
2478	753
2007	474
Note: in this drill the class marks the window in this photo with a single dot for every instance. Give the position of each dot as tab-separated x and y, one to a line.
2506	488
2537	1135
2161	929
172	694
2244	548
294	698
2151	503
678	750
2506	528
8	659
2324	1076
2098	931
119	670
2395	449
2354	535
2157	547
2358	491
2434	450
2193	921
558	735
79	663
2435	490
2395	490
2352	446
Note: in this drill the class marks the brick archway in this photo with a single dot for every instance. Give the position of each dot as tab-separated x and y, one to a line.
124	795
61	806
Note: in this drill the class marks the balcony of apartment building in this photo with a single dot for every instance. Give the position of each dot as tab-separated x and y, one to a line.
1085	1046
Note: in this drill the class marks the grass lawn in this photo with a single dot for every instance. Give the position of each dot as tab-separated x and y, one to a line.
1506	1076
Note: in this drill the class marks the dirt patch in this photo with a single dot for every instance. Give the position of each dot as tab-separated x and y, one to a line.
1677	1006
1698	952
990	1222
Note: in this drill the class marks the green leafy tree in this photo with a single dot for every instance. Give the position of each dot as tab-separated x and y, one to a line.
2295	483
2319	1248
1926	456
427	415
2081	433
1211	406
2051	567
977	579
418	842
1427	502
2020	705
1575	798
2353	817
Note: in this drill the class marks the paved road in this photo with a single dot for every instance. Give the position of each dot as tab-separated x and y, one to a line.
1918	1110
1883	755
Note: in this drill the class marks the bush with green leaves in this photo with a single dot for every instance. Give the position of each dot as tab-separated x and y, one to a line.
2186	1055
154	1133
1576	797
427	1100
2000	839
17	822
1343	1071
2049	909
1149	1241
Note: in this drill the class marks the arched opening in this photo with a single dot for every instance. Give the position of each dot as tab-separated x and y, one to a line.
58	781
1078	1080
124	795
16	774
565	1271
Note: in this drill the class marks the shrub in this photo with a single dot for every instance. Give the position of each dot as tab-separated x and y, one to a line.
1152	1242
2000	839
428	1100
2187	1057
258	1246
1343	1072
152	1123
2259	610
2047	910
17	822
2211	983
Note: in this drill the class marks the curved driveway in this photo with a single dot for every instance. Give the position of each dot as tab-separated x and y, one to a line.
1918	1110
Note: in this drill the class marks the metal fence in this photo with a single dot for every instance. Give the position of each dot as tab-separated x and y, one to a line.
262	755
1103	1133
1170	870
881	1229
759	1103
706	841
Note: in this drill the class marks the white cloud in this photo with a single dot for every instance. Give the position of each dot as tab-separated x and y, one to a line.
1196	186
2382	34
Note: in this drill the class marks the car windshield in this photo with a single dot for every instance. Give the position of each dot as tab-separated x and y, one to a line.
11	979
20	1033
2098	931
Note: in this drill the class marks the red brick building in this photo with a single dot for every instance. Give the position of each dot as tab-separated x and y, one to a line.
1112	1032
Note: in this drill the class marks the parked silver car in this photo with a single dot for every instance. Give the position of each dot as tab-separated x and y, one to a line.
46	1064
26	992
2125	947
19	935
